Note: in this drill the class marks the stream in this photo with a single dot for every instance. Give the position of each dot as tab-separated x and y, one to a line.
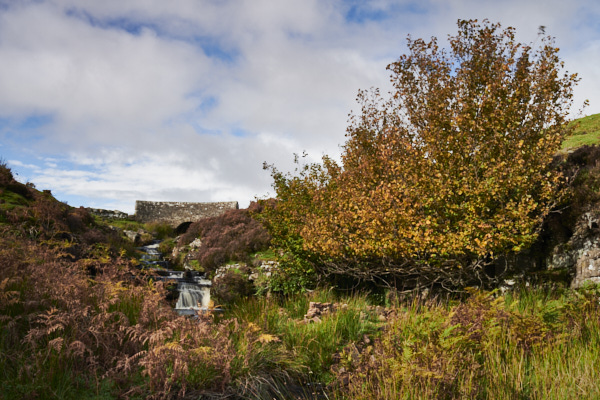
192	287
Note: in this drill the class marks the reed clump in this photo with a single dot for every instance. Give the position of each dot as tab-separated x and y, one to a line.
531	344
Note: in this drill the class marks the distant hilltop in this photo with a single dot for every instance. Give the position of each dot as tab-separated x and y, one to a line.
114	214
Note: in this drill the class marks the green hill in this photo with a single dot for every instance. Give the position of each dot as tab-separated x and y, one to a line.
587	131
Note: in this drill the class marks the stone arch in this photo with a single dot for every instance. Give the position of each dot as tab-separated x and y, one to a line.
177	213
182	227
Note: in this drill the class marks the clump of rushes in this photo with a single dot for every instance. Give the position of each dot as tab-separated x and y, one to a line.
530	345
314	345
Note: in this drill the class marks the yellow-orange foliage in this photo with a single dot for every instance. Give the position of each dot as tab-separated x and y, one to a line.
452	169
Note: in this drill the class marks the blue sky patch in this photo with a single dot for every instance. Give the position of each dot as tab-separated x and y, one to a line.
238	132
30	123
4	123
208	44
129	25
207	104
34	122
361	12
213	49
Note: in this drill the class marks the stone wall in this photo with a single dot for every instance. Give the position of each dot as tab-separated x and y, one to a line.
176	213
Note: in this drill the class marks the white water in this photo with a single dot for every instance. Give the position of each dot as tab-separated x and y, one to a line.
194	291
192	296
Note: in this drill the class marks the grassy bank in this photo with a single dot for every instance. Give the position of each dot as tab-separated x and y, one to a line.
587	132
530	344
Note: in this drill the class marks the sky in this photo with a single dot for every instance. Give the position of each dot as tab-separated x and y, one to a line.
108	102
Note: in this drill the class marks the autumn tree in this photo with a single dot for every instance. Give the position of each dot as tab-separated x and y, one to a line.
285	216
449	171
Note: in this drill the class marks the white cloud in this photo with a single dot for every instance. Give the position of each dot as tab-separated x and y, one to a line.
185	100
17	163
92	79
585	62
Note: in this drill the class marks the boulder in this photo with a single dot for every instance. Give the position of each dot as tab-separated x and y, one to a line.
134	236
316	310
581	253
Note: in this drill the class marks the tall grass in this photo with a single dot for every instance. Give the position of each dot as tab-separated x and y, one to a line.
313	345
534	344
113	335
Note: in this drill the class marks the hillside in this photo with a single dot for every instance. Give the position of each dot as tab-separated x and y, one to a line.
587	132
79	319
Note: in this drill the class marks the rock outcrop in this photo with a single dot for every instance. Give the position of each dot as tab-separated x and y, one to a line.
581	254
568	246
572	235
110	214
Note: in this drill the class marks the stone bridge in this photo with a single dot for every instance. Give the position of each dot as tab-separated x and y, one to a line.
179	214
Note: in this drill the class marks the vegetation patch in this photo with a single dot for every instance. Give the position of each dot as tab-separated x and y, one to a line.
437	180
232	236
586	132
526	345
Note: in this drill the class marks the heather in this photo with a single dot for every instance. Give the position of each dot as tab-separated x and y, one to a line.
233	236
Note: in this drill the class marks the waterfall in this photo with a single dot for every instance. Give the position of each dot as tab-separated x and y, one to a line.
194	290
192	296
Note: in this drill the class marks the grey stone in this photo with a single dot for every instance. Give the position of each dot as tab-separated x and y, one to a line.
134	236
114	214
196	243
581	253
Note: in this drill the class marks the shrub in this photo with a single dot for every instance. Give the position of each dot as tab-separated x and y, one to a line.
160	230
233	235
233	286
79	219
448	172
6	175
166	247
586	186
93	236
21	189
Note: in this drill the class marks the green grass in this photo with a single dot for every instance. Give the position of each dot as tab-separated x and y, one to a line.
125	224
311	344
587	132
10	200
531	344
266	255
